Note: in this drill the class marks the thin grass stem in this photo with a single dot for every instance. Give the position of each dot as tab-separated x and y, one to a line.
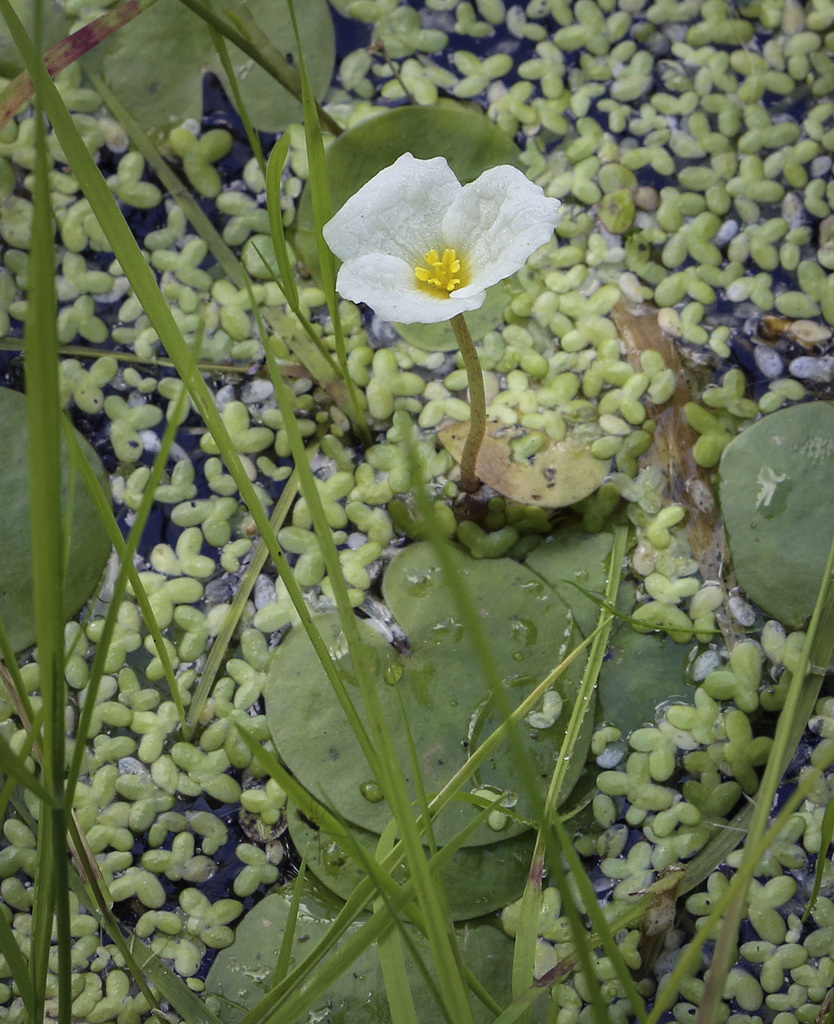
264	54
322	212
48	556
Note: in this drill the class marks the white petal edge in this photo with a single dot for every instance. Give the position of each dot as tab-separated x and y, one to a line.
398	212
387	284
498	221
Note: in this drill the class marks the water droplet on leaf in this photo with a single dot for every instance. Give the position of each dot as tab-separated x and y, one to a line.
371	791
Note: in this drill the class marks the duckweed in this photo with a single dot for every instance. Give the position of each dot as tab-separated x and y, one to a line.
581	383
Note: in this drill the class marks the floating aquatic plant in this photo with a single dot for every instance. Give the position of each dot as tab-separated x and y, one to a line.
419	247
775	490
594	132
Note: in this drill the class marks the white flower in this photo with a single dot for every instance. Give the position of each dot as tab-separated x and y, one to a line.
419	247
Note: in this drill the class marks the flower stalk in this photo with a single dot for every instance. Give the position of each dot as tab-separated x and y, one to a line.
469	479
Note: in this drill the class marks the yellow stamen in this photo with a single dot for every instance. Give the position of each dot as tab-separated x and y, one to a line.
443	274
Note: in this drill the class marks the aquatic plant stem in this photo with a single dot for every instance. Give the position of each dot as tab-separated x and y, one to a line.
469	479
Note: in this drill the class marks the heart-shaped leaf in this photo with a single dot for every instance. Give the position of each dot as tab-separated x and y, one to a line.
479	879
776	481
54	26
244	973
89	545
573	562
640	673
640	670
159	76
439	689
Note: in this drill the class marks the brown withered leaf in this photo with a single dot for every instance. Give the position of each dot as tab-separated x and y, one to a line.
659	916
18	92
674	440
560	474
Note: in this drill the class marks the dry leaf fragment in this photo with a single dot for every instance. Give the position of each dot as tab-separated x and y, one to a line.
674	440
560	474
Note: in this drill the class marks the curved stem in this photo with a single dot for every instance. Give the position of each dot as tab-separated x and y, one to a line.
477	403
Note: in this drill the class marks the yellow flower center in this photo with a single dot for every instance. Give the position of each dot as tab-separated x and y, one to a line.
443	274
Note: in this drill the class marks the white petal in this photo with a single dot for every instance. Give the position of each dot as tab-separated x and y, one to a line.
498	221
399	212
387	284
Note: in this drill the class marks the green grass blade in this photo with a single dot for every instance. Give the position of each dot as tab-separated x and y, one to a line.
322	212
13	766
153	302
43	913
11	677
395	978
220	645
274	173
527	935
826	834
389	947
252	136
10	951
282	964
48	556
811	668
562	844
422	798
73	351
319	183
330	372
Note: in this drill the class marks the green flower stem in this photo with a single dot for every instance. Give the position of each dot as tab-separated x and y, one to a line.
469	479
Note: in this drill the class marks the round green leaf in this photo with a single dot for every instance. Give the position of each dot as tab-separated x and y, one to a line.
776	480
479	879
438	688
54	26
467	138
155	65
570	560
243	974
89	545
641	672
